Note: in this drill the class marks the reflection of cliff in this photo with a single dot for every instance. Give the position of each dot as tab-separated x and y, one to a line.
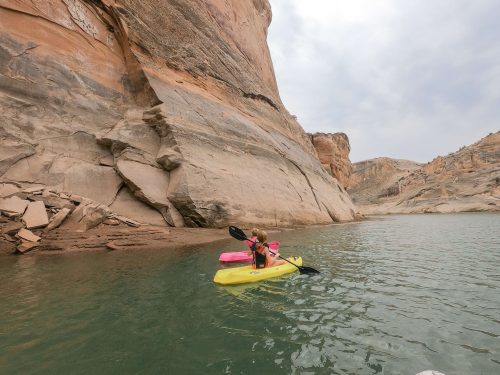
466	180
171	105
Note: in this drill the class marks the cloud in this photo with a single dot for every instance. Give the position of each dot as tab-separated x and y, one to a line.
409	80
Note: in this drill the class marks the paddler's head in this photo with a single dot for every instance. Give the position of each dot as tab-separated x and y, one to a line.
262	236
255	232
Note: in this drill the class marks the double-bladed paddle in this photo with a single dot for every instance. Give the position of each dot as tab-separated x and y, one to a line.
241	236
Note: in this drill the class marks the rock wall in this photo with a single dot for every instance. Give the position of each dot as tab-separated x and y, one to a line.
167	112
466	180
379	178
333	152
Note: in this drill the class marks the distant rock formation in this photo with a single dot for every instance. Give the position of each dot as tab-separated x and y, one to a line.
166	112
379	178
333	152
466	180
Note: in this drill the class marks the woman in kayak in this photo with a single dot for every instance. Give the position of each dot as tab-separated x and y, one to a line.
262	256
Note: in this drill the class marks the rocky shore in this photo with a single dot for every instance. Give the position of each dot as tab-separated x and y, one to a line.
39	219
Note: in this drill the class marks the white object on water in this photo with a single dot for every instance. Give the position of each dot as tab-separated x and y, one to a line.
430	372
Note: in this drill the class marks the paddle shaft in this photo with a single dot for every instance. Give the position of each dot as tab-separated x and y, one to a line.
272	252
241	236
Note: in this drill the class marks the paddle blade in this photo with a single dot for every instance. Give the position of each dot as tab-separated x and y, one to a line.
307	270
237	233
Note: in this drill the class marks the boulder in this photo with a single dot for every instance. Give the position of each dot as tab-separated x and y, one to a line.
35	215
126	204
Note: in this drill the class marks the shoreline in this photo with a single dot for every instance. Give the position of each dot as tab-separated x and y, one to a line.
149	237
146	237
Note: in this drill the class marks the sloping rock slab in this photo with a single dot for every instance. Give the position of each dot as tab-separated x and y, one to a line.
35	215
127	205
13	205
57	219
98	183
150	185
28	235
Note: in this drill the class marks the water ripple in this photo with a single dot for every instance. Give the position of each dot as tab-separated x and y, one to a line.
395	296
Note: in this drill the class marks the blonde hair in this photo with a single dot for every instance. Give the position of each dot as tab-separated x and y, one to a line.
255	231
262	236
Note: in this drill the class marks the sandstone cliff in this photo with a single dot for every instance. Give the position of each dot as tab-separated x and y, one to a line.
166	112
333	152
466	180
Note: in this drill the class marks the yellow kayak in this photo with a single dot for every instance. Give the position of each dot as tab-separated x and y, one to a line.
248	274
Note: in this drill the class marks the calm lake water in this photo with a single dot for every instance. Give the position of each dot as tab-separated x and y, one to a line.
395	296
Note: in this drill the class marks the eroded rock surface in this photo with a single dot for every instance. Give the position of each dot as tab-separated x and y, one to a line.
172	104
333	152
466	180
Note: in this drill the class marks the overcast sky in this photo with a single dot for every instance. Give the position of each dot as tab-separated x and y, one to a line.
409	79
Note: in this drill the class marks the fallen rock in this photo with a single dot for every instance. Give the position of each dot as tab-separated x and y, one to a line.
26	246
8	238
111	222
48	193
13	206
28	235
128	221
11	227
87	216
35	215
34	189
56	202
57	219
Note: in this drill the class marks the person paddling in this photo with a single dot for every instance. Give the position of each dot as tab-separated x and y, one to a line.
262	256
